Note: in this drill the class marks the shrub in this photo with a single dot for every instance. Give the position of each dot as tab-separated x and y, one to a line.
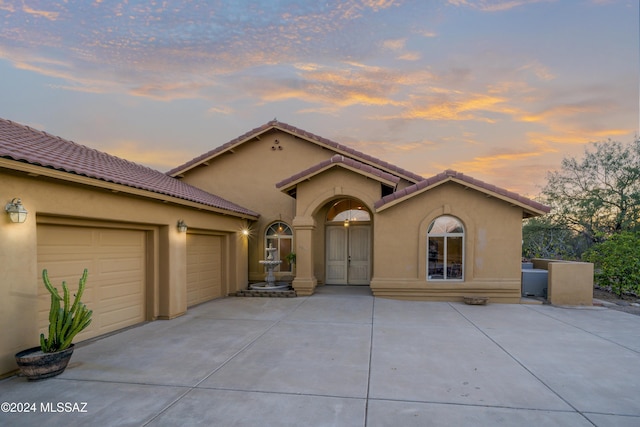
617	262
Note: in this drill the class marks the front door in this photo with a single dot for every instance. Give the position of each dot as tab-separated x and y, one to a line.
348	255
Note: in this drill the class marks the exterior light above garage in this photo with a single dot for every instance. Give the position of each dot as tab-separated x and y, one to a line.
182	227
15	210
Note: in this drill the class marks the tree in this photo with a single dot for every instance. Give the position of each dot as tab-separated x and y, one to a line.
542	238
598	195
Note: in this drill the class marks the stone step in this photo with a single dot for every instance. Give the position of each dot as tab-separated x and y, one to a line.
290	293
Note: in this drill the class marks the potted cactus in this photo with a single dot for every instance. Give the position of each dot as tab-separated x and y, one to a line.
65	322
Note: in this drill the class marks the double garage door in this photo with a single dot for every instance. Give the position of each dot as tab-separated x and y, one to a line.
115	259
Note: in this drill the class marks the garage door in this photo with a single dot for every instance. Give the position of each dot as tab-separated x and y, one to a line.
204	268
115	259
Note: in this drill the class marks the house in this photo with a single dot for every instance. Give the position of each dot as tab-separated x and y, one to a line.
349	218
352	219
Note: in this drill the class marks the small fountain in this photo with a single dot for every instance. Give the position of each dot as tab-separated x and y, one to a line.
270	283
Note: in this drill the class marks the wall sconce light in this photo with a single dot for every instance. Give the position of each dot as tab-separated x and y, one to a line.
182	227
15	210
245	232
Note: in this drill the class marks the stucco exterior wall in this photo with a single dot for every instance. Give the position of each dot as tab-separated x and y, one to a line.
570	283
248	176
55	202
315	196
492	243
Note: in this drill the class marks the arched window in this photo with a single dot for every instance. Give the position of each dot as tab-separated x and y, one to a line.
280	236
445	249
348	210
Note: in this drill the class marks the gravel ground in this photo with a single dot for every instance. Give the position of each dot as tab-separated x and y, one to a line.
628	303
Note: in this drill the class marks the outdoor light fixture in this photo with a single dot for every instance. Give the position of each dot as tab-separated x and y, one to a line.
182	227
245	232
15	210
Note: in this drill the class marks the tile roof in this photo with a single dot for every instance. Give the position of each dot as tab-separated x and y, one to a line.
451	175
24	144
338	160
274	124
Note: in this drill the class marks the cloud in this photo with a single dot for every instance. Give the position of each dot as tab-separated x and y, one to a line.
559	112
137	43
331	87
410	56
493	5
377	5
539	70
58	69
518	171
165	91
400	77
446	104
553	141
492	162
398	46
7	7
427	33
221	110
395	45
158	158
52	16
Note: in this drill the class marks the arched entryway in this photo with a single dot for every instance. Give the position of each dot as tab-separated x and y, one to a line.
348	243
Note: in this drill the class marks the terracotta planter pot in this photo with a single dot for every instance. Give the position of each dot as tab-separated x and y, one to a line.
36	365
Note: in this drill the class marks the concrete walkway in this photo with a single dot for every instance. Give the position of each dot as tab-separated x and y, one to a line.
344	358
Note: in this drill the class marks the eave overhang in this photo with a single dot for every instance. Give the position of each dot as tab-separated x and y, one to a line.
530	208
289	184
35	171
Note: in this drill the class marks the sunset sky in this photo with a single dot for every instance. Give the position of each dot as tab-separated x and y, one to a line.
499	90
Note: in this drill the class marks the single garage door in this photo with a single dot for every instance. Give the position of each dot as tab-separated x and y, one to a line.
204	268
115	258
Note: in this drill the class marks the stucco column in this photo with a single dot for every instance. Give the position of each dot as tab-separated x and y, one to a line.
173	273
305	281
240	263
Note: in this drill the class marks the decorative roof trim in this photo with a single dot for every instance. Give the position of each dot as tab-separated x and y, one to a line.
531	207
39	153
300	133
338	161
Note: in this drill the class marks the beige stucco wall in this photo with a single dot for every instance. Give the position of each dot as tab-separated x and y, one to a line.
53	201
492	259
492	239
569	283
314	197
248	176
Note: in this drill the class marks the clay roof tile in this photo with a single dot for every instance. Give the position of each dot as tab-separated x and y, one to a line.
452	174
359	156
24	144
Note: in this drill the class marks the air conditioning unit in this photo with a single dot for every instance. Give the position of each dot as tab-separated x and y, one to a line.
534	282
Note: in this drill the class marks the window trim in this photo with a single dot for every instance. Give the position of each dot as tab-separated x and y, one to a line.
278	237
446	235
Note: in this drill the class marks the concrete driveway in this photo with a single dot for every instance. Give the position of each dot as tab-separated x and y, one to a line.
344	358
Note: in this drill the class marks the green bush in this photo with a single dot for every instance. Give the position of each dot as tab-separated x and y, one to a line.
617	262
